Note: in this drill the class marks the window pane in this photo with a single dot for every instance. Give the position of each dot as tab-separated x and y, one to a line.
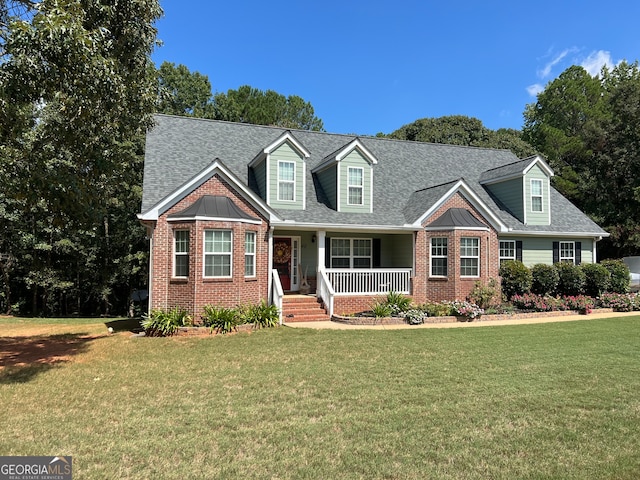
536	187
469	247
286	171
355	196
285	191
339	262
217	241
250	251
249	266
355	177
439	267
182	241
439	247
217	266
469	267
536	204
340	247
250	242
362	262
362	248
182	266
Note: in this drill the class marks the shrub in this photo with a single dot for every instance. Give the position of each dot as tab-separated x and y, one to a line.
537	303
620	302
571	278
620	280
221	319
164	323
397	302
597	279
435	309
580	303
484	295
516	278
545	279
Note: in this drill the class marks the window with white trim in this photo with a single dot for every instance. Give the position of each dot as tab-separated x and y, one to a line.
568	252
507	250
536	195
250	254
355	186
286	181
181	253
469	257
217	253
439	257
351	253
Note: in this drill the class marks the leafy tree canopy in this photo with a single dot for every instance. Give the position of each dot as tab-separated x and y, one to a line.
589	129
251	105
462	130
76	98
181	92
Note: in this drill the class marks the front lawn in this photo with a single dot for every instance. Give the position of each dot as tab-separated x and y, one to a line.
534	401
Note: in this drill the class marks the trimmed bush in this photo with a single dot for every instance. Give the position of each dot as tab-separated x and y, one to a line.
545	279
597	279
483	294
516	278
620	280
571	279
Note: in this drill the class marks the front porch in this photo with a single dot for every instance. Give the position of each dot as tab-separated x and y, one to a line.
338	266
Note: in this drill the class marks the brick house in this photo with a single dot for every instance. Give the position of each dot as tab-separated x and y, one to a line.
237	213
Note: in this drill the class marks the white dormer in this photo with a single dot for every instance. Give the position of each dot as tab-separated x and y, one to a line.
347	177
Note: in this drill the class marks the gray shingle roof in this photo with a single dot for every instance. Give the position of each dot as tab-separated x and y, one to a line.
178	148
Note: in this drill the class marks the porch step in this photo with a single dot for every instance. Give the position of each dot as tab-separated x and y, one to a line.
303	308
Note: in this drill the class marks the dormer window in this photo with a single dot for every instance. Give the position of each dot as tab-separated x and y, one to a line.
286	181
356	186
536	195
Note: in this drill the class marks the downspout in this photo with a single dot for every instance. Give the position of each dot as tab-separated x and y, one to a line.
270	267
595	252
150	232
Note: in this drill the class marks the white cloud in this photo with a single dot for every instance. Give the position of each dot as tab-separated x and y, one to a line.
534	89
546	71
596	60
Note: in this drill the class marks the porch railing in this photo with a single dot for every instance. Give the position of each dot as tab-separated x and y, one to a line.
369	281
277	292
325	291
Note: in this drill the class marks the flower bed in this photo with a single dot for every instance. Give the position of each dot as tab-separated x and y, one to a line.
364	320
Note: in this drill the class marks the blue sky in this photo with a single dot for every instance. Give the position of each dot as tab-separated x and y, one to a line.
373	66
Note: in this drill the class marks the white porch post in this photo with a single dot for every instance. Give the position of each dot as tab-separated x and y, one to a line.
321	237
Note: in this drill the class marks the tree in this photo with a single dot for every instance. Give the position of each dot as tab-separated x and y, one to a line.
565	124
462	130
589	129
181	92
251	105
76	97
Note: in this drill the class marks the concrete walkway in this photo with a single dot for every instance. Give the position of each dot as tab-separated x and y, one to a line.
485	323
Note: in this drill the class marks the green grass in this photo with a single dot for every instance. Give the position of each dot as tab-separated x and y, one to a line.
538	401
